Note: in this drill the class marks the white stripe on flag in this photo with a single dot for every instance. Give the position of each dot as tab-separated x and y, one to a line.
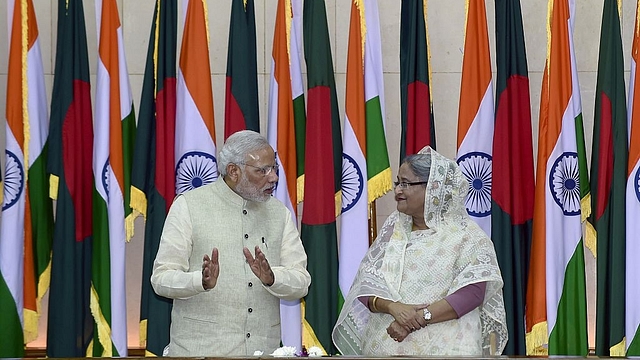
354	238
632	286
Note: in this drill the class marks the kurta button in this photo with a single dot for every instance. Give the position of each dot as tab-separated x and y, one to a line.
250	310
244	212
248	335
246	236
250	284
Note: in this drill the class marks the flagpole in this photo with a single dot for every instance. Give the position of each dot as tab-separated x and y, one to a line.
373	223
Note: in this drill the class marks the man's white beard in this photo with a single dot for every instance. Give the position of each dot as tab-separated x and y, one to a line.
250	192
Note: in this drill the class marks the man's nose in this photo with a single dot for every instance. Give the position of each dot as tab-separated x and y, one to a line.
273	176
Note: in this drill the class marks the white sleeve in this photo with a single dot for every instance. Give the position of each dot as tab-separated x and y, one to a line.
171	277
292	279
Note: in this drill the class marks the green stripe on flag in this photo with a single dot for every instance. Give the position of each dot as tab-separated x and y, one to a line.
41	221
101	278
568	336
378	168
11	339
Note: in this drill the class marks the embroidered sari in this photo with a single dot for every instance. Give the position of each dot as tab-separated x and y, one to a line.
422	267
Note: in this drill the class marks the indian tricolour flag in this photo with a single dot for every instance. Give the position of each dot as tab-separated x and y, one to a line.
195	149
286	118
632	313
112	153
476	116
556	310
366	174
27	214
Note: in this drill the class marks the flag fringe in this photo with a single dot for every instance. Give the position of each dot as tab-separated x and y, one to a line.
25	87
129	225
363	27
585	207
143	335
636	32
309	337
54	183
536	339
32	318
104	329
138	203
288	19
590	236
380	184
338	203
549	18
43	284
300	188
619	349
205	9
30	330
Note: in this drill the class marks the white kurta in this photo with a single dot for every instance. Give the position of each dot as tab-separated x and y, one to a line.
239	315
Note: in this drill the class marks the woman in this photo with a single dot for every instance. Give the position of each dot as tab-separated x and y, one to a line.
430	283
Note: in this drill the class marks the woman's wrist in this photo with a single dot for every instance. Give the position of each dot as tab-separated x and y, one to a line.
373	304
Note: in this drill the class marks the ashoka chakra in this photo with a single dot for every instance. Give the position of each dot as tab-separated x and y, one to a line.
637	183
352	182
106	171
13	180
195	168
476	167
564	183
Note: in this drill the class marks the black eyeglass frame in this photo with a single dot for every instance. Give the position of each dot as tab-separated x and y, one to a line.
406	184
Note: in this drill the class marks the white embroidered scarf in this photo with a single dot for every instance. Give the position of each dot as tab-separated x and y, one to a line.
422	267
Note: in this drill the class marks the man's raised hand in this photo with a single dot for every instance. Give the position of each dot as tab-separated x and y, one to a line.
210	270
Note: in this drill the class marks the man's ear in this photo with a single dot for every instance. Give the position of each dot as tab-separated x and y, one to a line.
233	172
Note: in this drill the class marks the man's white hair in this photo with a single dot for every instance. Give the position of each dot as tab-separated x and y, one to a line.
238	146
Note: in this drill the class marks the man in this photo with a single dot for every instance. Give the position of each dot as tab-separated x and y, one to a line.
228	253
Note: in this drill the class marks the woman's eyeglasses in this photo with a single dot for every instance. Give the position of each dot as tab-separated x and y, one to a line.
405	184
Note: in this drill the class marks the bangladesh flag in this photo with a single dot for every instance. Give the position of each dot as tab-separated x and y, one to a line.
513	179
418	127
323	163
241	110
609	160
153	176
70	324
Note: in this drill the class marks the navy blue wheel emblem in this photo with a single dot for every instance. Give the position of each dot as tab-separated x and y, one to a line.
106	170
13	180
564	183
195	168
352	182
637	183
476	167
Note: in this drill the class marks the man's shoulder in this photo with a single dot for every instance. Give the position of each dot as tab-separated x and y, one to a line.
199	192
